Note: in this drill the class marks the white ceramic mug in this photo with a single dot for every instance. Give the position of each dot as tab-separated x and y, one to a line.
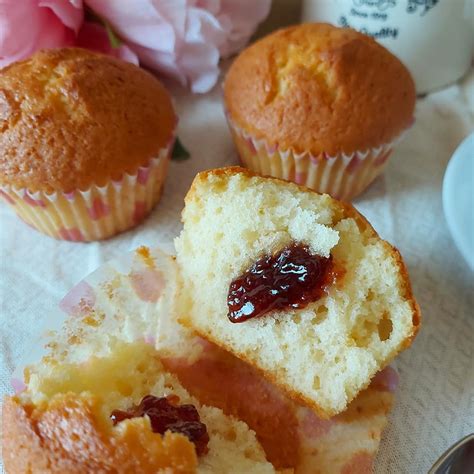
434	38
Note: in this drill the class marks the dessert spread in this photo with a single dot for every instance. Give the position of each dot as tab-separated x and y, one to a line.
291	278
166	415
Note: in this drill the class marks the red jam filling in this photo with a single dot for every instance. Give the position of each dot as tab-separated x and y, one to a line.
292	278
166	415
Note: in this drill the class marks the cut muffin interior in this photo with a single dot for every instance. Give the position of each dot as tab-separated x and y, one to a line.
323	348
86	418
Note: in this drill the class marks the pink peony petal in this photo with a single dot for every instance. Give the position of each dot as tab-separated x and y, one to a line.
153	25
126	54
183	38
200	65
212	6
94	37
164	62
148	284
70	12
243	18
79	300
26	27
202	25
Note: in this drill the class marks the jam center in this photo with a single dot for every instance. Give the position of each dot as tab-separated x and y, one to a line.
166	415
291	278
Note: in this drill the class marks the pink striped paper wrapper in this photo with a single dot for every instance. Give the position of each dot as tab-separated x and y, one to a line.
98	212
343	175
122	299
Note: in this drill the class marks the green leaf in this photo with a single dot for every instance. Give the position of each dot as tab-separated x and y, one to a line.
114	40
179	152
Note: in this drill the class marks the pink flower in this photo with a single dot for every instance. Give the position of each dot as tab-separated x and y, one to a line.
183	38
29	25
94	36
240	19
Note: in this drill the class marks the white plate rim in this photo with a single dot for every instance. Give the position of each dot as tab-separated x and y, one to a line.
459	162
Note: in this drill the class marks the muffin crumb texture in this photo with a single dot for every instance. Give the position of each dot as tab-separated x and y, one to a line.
328	351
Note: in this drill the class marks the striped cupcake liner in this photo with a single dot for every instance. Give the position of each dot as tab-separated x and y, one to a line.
121	299
343	176
98	212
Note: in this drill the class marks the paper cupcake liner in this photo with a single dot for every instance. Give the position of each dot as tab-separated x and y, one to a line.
122	299
97	212
343	176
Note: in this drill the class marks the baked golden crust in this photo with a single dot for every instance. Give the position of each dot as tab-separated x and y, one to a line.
67	436
342	211
70	118
317	88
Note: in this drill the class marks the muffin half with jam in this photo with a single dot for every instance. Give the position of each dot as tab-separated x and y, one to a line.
297	284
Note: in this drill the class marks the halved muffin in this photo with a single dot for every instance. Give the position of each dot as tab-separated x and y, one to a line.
296	283
121	413
100	400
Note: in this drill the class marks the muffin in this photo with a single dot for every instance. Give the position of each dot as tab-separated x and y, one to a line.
318	105
295	283
85	141
98	363
102	358
121	414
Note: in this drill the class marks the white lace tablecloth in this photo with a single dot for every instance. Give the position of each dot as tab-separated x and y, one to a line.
435	402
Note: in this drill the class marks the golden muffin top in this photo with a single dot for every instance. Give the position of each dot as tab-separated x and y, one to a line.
318	88
70	118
